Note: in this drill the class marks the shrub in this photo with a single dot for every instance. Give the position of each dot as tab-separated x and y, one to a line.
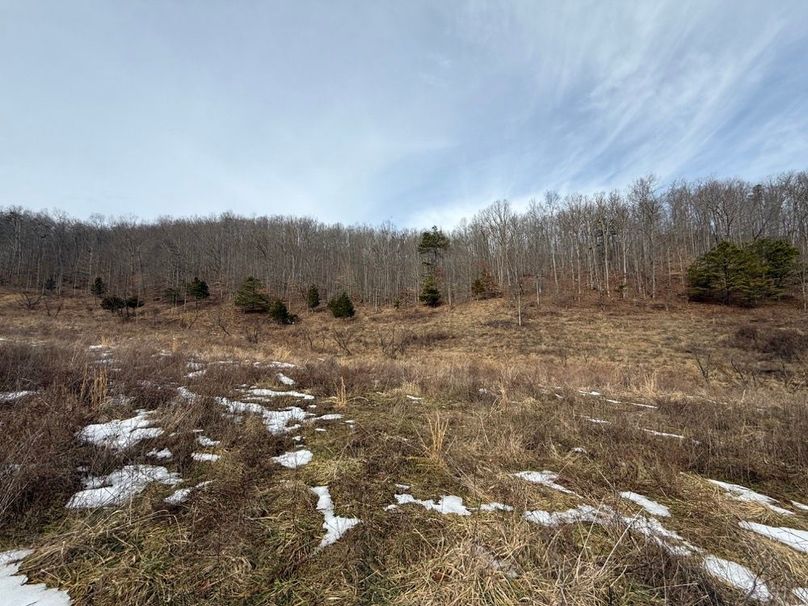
341	306
280	313
779	259
313	297
249	297
134	302
198	289
99	289
728	274
113	304
430	295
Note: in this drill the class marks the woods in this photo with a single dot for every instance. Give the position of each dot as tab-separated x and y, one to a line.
634	243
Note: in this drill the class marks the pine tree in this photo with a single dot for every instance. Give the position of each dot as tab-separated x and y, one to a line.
341	306
728	274
313	297
280	313
430	295
249	297
198	289
99	289
113	304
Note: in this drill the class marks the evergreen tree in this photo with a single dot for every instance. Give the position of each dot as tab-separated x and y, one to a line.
780	260
341	306
113	304
99	289
50	285
430	295
249	297
134	302
728	274
280	313
198	289
484	286
313	297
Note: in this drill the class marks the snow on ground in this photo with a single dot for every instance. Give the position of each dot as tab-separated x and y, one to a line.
289	381
294	459
545	478
598	421
647	504
329	417
495	506
206	441
793	537
447	504
186	394
334	525
165	453
737	576
275	420
414	398
747	495
14	587
286	365
663	434
801	593
10	396
196	373
120	486
589	393
121	434
181	494
205	457
799	505
582	513
257	392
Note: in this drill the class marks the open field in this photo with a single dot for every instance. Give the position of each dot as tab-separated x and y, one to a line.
380	460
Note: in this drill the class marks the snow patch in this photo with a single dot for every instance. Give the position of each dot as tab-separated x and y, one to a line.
647	504
663	434
206	441
14	587
747	495
181	494
120	486
289	381
737	576
276	421
165	453
334	525
545	478
121	434
294	459
10	396
447	504
272	393
329	417
495	506
793	537
205	457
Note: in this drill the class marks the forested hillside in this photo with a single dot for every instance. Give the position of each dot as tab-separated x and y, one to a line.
635	243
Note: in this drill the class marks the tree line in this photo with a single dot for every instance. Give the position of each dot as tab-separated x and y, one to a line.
632	243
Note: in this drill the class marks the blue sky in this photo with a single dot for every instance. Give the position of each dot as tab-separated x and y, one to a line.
409	111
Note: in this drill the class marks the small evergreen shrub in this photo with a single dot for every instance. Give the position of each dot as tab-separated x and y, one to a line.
484	286
113	304
99	289
250	298
342	306
313	297
134	302
280	313
430	295
198	289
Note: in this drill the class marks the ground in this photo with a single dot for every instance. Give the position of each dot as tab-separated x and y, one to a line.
389	468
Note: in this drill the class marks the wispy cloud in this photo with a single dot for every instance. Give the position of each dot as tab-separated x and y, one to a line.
416	112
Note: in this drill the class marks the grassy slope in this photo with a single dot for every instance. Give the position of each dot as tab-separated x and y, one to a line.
251	536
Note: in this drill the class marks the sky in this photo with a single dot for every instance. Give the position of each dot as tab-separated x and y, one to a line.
414	112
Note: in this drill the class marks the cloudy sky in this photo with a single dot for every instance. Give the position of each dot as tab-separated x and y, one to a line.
409	111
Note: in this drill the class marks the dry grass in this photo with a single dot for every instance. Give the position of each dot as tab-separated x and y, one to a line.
488	399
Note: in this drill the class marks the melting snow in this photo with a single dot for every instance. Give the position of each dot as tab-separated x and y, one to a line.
741	493
335	526
181	494
799	505
294	459
414	398
285	380
598	421
14	587
120	486
205	457
10	396
205	441
286	365
647	504
801	593
495	506
330	417
447	504
794	538
196	373
663	434
737	576
545	478
271	393
275	420
582	513
121	434
165	453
